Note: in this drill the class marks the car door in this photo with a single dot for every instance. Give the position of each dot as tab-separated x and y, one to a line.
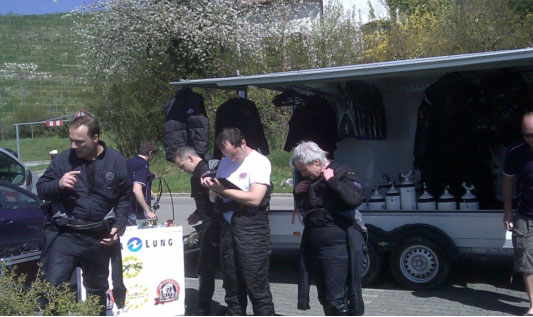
21	219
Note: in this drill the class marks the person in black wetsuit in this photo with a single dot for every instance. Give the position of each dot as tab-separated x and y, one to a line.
83	185
190	161
332	242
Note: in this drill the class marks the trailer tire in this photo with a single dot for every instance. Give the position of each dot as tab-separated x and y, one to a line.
371	265
419	263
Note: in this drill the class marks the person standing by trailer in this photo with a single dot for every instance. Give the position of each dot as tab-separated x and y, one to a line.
84	185
190	161
518	168
139	169
245	232
331	251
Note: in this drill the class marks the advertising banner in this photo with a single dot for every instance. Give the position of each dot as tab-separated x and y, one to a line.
152	266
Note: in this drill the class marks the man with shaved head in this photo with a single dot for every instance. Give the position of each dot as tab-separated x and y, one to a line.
518	168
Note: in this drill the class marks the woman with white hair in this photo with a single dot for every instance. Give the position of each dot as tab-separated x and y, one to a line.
332	243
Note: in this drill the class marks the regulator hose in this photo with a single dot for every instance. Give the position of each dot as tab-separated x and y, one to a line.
155	206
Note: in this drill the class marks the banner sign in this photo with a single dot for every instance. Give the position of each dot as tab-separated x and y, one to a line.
152	266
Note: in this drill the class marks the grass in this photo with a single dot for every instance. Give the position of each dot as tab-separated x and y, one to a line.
37	150
50	42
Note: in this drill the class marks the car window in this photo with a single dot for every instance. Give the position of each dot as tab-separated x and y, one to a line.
10	170
12	199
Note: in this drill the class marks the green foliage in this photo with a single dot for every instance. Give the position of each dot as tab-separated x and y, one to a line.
17	298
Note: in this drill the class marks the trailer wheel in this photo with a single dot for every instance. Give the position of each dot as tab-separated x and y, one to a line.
419	263
371	265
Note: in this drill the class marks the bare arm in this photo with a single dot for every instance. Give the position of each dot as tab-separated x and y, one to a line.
139	197
507	192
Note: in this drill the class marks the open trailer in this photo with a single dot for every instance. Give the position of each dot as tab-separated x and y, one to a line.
421	244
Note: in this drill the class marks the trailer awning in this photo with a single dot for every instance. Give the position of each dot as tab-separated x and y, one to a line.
412	71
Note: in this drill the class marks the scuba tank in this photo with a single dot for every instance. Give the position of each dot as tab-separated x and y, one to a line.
426	201
376	201
468	201
447	201
408	192
392	198
363	206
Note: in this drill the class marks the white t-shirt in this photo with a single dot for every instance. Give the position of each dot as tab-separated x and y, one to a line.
254	169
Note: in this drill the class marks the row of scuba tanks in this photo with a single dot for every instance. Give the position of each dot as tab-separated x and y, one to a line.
405	198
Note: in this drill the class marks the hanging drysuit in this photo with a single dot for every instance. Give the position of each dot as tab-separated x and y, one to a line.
241	113
446	150
331	251
186	123
360	112
313	119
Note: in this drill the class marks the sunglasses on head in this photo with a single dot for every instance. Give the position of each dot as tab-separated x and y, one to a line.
527	135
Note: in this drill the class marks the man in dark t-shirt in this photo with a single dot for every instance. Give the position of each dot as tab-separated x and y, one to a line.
189	161
518	168
139	169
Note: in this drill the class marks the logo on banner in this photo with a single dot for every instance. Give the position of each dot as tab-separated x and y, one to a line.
167	291
131	266
136	296
135	244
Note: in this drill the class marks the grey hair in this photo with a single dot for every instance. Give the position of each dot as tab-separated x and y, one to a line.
183	152
306	153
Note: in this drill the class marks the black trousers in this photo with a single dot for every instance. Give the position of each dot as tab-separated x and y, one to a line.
207	265
119	289
331	268
244	261
67	250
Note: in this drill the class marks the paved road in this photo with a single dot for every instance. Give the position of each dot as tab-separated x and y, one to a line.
184	206
475	288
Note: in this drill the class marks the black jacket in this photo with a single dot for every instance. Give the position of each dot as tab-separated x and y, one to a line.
186	123
241	113
313	120
112	186
200	194
334	201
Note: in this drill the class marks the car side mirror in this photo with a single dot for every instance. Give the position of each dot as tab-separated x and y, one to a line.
28	177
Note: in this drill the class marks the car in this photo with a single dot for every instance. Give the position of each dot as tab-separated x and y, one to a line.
12	170
21	220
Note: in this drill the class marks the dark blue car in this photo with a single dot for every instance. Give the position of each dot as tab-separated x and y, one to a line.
21	220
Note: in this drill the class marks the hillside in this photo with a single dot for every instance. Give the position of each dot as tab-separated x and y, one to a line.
40	66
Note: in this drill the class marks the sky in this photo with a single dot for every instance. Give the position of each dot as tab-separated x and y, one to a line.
39	6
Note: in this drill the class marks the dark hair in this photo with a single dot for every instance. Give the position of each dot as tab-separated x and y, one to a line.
232	136
183	152
146	147
93	127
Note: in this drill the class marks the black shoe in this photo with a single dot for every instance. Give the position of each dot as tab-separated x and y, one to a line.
201	312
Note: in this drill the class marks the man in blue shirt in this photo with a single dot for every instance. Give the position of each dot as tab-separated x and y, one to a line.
139	169
518	168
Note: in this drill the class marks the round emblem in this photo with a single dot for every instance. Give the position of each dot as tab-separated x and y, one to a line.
167	291
110	176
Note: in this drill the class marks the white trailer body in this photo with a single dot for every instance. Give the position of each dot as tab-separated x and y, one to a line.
421	244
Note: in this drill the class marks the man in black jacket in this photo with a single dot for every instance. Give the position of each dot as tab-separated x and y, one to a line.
84	184
189	161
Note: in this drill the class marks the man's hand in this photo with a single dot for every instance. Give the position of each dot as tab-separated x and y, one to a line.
302	187
69	179
150	214
507	221
193	219
213	184
112	238
327	174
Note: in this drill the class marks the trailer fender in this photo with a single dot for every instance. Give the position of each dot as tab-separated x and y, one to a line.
433	233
